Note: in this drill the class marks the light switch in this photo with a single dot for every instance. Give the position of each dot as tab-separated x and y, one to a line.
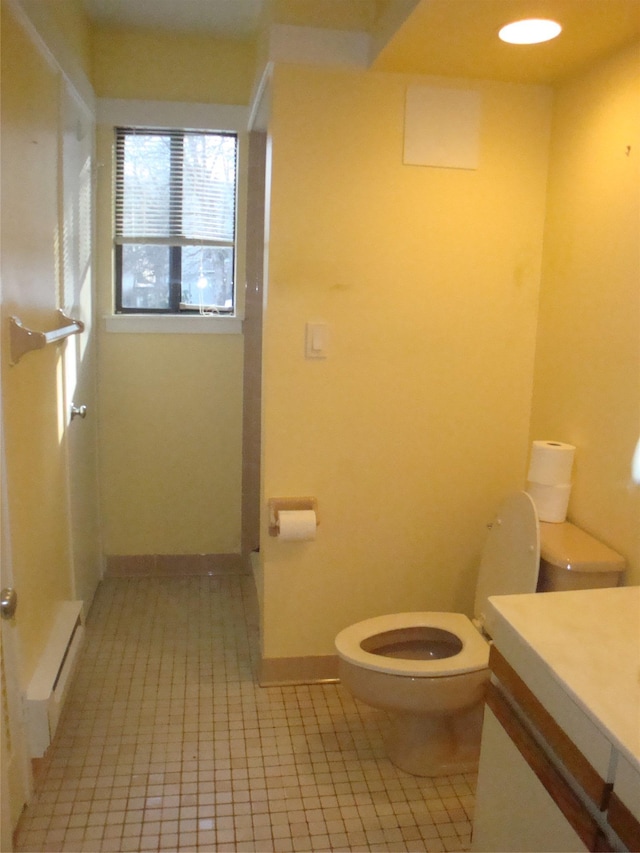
316	340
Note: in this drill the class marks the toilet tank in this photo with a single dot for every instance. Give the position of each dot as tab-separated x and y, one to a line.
572	559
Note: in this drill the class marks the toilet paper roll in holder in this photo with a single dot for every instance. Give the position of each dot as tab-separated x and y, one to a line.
276	505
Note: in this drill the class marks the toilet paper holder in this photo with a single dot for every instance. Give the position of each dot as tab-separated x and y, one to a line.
278	504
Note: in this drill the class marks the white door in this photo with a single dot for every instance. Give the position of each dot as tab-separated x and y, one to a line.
15	769
76	299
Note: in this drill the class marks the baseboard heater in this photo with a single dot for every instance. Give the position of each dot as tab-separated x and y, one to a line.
48	688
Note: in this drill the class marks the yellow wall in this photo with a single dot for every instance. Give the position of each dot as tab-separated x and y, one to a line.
417	423
171	67
66	31
171	405
32	392
420	420
170	439
587	379
70	19
170	443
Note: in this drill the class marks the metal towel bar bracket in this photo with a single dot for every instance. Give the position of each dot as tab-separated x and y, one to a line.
22	340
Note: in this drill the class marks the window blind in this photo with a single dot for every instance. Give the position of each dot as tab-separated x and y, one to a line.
175	187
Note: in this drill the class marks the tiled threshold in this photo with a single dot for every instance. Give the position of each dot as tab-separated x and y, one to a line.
174	565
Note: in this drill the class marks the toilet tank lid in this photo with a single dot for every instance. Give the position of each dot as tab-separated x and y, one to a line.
567	547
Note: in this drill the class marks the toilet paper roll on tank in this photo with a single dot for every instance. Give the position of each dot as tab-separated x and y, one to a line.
549	479
551	463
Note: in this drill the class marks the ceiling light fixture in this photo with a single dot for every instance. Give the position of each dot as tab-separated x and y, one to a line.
530	31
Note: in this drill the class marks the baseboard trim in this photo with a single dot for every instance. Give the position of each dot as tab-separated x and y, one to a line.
312	669
174	565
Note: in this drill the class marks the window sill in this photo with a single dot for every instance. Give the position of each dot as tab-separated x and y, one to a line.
195	324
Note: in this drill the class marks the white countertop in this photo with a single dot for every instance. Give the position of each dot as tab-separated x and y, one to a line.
589	642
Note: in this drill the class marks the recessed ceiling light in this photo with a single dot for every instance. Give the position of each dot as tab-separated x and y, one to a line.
531	31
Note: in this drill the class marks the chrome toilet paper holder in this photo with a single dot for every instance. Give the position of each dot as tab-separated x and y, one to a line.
276	505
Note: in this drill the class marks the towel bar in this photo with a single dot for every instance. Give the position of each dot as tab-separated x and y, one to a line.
23	340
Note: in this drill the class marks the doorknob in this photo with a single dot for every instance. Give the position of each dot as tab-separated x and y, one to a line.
8	602
78	411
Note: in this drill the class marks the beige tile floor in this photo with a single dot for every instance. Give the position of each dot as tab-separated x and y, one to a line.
168	743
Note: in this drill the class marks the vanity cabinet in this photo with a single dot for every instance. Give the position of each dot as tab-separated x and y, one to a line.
560	757
514	811
624	806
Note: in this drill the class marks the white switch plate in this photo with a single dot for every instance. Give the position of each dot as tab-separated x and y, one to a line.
316	340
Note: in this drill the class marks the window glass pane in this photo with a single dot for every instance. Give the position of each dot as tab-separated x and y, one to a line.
207	276
175	212
209	187
146	191
145	276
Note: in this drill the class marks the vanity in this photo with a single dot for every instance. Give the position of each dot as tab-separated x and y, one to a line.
560	757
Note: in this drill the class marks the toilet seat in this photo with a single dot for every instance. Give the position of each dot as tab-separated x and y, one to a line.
473	656
509	565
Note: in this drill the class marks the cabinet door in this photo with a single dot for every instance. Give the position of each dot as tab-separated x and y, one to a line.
513	809
624	808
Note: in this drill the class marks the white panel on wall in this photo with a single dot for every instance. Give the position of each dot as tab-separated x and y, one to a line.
442	127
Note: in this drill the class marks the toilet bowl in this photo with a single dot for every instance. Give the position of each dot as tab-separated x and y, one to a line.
429	670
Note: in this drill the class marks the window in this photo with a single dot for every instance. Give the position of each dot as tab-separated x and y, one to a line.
175	221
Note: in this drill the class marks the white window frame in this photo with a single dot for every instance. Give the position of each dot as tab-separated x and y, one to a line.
114	113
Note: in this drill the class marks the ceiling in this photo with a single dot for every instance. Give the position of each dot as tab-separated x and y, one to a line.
238	18
454	38
224	18
459	38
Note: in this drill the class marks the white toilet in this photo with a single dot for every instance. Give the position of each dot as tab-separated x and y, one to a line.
429	670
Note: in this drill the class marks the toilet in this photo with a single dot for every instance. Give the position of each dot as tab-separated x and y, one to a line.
429	670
